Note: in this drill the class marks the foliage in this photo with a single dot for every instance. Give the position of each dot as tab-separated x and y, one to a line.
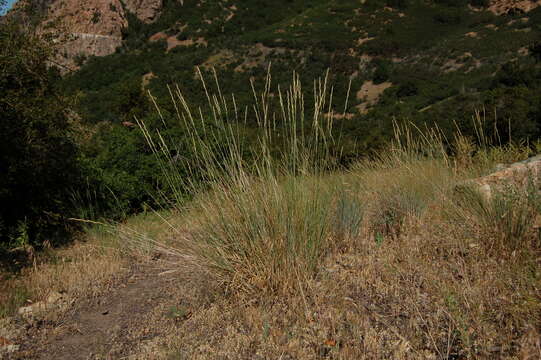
382	71
38	159
536	51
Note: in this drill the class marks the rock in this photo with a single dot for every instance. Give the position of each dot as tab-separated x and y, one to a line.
9	329
4	342
146	10
54	297
486	191
501	7
7	347
520	174
40	307
32	310
93	27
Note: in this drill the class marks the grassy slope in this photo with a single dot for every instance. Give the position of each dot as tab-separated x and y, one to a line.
388	259
401	267
381	261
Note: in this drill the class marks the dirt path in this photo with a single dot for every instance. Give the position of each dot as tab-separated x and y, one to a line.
125	322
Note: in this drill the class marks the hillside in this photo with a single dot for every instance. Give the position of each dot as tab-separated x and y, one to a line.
270	180
424	54
432	63
428	63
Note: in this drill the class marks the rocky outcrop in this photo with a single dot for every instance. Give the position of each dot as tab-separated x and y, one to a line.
91	27
520	175
54	300
500	7
91	44
96	17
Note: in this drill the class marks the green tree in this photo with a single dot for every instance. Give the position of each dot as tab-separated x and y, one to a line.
535	50
38	159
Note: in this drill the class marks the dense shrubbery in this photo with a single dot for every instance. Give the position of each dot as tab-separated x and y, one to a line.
38	158
448	16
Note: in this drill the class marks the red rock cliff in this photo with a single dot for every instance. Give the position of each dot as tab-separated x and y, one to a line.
92	27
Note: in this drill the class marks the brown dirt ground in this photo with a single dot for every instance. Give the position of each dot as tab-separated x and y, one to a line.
130	318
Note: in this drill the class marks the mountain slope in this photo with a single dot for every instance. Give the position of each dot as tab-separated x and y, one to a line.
426	62
442	49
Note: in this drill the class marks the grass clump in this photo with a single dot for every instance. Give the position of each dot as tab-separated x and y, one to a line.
503	221
266	235
266	216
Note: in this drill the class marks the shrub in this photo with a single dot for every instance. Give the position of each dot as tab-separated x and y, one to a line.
397	4
535	50
38	158
406	89
382	71
452	3
479	3
448	17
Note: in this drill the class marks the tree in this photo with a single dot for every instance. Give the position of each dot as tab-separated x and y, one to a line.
535	50
38	159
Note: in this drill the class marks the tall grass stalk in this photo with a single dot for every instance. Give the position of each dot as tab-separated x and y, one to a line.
262	213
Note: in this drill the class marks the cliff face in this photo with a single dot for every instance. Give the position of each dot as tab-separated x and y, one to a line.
501	7
96	17
92	27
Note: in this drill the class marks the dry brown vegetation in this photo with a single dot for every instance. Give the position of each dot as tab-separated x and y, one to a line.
395	258
83	269
424	278
415	275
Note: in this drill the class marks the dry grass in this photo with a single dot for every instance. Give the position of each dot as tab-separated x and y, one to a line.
82	268
434	287
383	261
85	268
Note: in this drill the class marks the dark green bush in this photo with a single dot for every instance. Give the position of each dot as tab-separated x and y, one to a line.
479	3
406	89
448	17
382	71
397	4
535	51
452	3
38	159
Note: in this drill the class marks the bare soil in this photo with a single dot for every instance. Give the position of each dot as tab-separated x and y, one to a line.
133	314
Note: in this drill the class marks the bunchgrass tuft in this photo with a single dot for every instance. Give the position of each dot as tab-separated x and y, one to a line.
504	222
264	214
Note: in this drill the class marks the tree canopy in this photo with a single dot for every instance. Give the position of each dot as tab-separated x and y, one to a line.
38	159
